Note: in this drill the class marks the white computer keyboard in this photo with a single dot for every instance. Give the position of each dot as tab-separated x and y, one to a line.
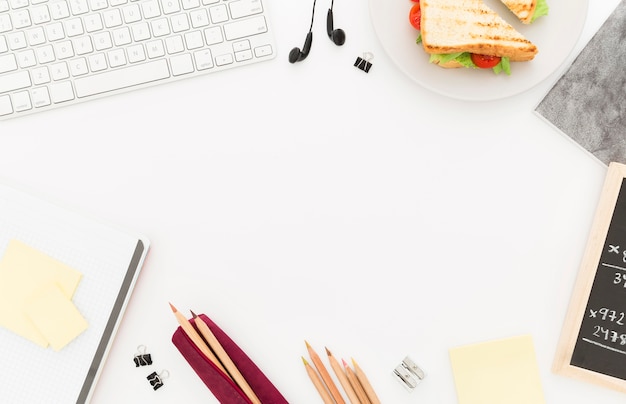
60	52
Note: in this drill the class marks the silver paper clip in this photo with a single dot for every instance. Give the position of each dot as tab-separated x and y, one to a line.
409	374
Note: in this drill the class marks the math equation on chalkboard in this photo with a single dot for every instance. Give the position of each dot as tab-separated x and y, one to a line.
601	343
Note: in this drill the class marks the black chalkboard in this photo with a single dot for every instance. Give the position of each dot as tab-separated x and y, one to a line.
601	343
592	346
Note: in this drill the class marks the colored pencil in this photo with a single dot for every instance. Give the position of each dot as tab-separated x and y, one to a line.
343	379
317	382
354	381
196	338
328	381
367	386
230	366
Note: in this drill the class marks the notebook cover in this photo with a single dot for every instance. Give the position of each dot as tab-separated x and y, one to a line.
220	385
588	102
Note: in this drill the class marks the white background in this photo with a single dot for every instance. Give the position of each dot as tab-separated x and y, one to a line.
359	212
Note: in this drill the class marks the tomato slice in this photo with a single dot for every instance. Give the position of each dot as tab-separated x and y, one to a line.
485	61
415	16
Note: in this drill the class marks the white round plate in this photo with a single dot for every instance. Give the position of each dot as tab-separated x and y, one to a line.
555	36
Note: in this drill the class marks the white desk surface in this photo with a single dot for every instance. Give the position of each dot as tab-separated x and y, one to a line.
314	202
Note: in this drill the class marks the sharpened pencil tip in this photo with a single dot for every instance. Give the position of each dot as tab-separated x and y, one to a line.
328	352
307	344
173	308
304	361
345	364
194	315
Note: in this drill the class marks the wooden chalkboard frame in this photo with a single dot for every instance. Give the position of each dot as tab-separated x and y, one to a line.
615	178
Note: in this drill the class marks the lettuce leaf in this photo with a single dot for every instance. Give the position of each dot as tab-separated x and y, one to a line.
465	59
540	10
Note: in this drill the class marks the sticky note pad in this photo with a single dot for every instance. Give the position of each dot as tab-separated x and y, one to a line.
24	270
497	372
55	316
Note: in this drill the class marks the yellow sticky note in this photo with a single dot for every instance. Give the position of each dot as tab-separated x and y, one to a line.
23	271
497	372
55	316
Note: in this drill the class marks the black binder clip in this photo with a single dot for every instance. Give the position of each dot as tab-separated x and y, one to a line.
364	63
142	358
156	380
409	374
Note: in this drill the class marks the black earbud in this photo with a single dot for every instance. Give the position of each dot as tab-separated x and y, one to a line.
297	55
338	36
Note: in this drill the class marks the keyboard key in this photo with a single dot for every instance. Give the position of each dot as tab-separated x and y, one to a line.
179	22
203	59
61	92
59	10
5	23
155	49
174	44
136	54
55	31
59	71
14	81
122	78
21	19
74	27
262	51
112	18
78	67
244	28
79	7
5	105
41	97
213	35
131	13
244	8
181	64
7	63
194	40
150	9
170	6
243	55
17	40
97	62
222	60
116	57
21	101
26	58
45	54
35	36
218	13
40	75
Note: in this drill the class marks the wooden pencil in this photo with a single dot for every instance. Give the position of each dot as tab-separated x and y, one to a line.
317	382
341	376
196	338
354	381
367	386
230	366
328	381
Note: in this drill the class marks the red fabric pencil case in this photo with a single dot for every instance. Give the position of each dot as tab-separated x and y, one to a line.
222	387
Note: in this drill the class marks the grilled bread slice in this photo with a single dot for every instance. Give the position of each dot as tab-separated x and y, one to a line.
451	26
523	9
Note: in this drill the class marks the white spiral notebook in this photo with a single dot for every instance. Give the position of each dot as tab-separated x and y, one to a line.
39	236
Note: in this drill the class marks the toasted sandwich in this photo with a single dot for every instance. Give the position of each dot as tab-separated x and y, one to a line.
527	10
453	30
